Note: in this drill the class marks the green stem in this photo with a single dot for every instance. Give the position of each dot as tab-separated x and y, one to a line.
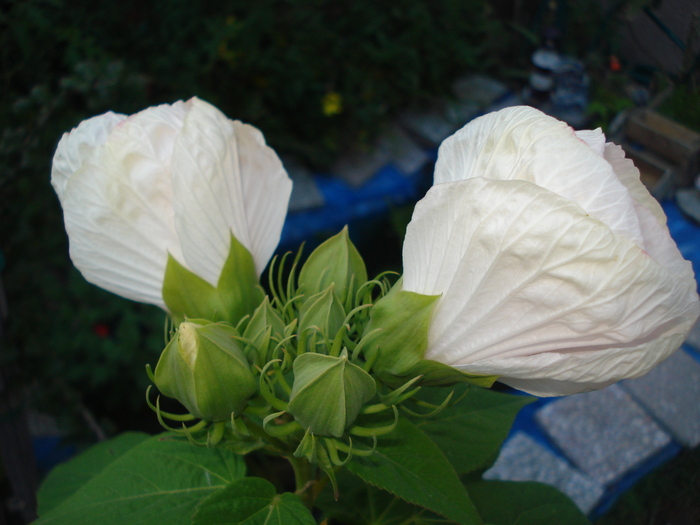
303	474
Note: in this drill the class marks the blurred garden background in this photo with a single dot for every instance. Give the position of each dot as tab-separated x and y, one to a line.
322	80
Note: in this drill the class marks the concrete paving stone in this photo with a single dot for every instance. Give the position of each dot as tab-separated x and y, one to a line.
523	459
430	125
671	393
479	89
305	193
604	433
403	151
358	167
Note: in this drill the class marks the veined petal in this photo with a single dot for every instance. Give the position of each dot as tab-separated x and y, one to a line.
78	145
522	143
652	220
116	196
528	276
628	174
558	374
225	179
594	139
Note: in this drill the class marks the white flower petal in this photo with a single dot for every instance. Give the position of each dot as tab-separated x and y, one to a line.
116	197
652	220
225	180
628	174
527	277
522	143
594	139
558	374
77	145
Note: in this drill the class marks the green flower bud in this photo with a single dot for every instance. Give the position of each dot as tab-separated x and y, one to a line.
328	393
205	369
264	324
323	310
338	262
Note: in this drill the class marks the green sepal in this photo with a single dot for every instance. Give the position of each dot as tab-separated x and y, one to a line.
338	262
436	373
236	295
401	320
398	348
324	311
205	369
328	393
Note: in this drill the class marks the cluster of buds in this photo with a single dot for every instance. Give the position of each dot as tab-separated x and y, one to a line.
537	257
328	356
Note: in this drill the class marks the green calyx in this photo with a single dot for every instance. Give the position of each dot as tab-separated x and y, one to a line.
322	312
398	334
236	294
205	369
400	322
336	262
328	393
264	328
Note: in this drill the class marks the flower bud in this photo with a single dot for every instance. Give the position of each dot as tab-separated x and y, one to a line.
323	310
338	262
264	318
328	393
205	369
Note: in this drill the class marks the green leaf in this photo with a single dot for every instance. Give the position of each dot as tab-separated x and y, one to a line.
363	504
470	432
68	477
236	295
252	501
160	480
524	503
409	465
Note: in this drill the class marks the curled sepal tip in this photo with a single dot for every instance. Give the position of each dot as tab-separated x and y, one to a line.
361	431
276	428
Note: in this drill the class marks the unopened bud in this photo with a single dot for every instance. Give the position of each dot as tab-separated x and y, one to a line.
324	311
328	393
337	262
205	369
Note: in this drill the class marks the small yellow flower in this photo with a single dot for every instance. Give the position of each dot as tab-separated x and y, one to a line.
332	103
